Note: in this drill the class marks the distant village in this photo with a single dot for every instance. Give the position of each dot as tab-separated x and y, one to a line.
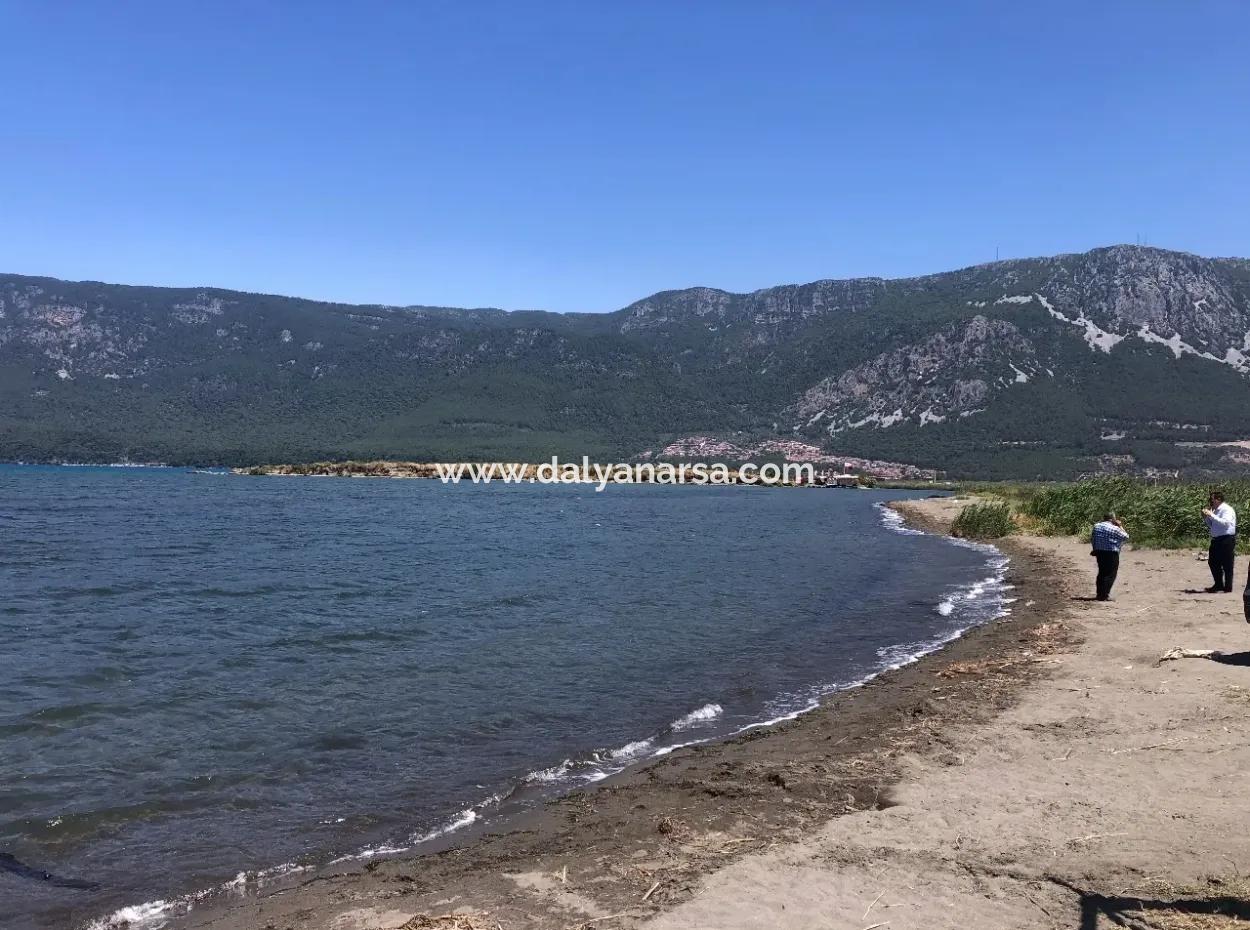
829	466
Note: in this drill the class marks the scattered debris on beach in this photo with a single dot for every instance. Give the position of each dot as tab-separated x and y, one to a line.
466	921
1179	652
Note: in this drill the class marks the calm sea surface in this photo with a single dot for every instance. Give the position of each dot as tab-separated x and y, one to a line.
202	675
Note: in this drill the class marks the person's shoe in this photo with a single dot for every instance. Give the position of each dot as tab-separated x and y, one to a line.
1213	590
1228	590
1103	598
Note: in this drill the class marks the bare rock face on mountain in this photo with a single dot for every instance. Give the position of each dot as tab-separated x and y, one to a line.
1155	295
69	336
759	317
952	373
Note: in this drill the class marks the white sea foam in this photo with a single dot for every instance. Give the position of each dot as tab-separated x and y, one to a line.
893	520
465	818
631	750
673	747
598	765
896	657
548	776
382	849
696	717
278	871
789	715
135	915
979	601
153	915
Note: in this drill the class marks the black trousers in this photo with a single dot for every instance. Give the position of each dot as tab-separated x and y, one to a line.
1220	558
1108	568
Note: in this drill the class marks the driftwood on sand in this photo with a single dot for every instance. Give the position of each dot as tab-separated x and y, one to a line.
1180	652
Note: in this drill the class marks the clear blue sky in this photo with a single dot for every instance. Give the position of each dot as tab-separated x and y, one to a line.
580	155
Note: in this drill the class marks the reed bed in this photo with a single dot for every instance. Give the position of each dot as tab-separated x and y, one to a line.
1156	515
984	521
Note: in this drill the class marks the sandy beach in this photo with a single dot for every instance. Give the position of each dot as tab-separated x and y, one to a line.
1044	771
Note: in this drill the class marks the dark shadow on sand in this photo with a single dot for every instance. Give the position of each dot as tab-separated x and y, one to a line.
1232	658
1132	912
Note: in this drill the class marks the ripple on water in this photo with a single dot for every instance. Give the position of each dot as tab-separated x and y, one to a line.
71	713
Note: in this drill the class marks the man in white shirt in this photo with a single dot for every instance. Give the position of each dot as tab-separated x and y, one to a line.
1221	521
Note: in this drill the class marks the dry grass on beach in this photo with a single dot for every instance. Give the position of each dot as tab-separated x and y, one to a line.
476	921
1218	903
1044	640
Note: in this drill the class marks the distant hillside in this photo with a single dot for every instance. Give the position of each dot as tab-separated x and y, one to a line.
1123	358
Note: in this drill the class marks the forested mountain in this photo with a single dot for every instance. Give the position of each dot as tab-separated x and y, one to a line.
1124	357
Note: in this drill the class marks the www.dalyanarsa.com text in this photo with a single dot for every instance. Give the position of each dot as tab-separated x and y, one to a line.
601	474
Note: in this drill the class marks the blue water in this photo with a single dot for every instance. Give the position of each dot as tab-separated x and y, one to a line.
205	674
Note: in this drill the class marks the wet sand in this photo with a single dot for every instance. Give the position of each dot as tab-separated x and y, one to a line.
1034	773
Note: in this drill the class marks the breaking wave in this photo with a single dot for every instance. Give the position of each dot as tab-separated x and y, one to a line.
696	717
154	914
893	520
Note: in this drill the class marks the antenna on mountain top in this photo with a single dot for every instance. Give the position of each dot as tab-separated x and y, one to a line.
995	253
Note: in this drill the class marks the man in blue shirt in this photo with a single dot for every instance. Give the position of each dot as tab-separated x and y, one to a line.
1108	536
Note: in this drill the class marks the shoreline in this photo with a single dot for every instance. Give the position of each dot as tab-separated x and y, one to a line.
553	472
637	755
873	719
402	469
